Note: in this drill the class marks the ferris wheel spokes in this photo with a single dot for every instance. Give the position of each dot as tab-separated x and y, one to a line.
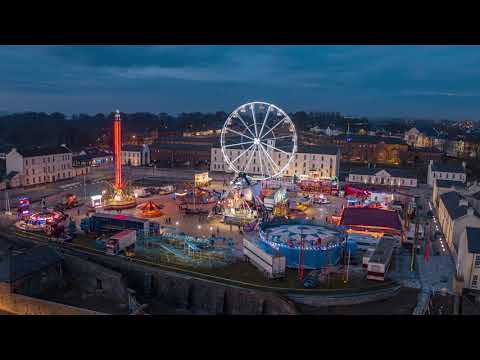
244	123
269	158
238	144
250	160
264	121
252	108
271	129
239	133
243	153
274	148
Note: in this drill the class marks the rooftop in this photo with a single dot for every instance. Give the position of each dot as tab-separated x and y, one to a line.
450	168
35	259
95	152
189	147
133	148
43	151
451	202
371	217
473	240
318	149
402	173
370	139
450	183
427	130
383	251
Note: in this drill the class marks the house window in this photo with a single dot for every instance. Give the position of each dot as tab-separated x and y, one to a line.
99	284
477	262
475	281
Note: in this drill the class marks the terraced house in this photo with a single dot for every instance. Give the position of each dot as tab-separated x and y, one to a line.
41	165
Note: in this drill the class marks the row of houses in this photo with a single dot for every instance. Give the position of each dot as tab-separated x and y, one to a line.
458	210
404	178
37	166
419	137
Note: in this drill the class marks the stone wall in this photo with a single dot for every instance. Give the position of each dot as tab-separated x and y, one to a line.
88	275
25	305
195	294
345	299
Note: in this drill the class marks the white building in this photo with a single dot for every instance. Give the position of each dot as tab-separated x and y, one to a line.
40	166
380	176
424	137
309	161
454	215
135	155
468	264
445	172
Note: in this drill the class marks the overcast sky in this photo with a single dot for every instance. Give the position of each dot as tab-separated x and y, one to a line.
417	81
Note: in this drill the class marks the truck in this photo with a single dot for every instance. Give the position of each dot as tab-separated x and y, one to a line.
121	242
379	262
269	261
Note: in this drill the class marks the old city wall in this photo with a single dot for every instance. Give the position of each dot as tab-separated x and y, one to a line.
195	294
25	305
88	276
346	299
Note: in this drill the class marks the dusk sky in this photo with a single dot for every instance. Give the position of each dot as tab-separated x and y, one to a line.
417	81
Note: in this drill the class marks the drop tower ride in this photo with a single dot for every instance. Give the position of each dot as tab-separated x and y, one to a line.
119	197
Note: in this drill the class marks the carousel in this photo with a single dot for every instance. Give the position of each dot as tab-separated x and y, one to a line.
150	209
41	221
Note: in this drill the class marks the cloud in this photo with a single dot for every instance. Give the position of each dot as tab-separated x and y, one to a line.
439	93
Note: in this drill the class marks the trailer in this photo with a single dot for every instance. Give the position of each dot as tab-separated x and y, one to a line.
380	261
366	257
121	242
103	222
270	262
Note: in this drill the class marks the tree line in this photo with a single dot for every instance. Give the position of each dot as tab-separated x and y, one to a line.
80	130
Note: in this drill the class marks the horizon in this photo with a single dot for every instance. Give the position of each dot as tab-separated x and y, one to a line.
423	82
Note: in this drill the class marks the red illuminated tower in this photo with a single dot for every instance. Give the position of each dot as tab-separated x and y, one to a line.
121	197
117	150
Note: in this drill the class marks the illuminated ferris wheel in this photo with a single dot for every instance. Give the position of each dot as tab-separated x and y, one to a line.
259	140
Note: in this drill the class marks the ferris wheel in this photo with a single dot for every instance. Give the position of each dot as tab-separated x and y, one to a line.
259	140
